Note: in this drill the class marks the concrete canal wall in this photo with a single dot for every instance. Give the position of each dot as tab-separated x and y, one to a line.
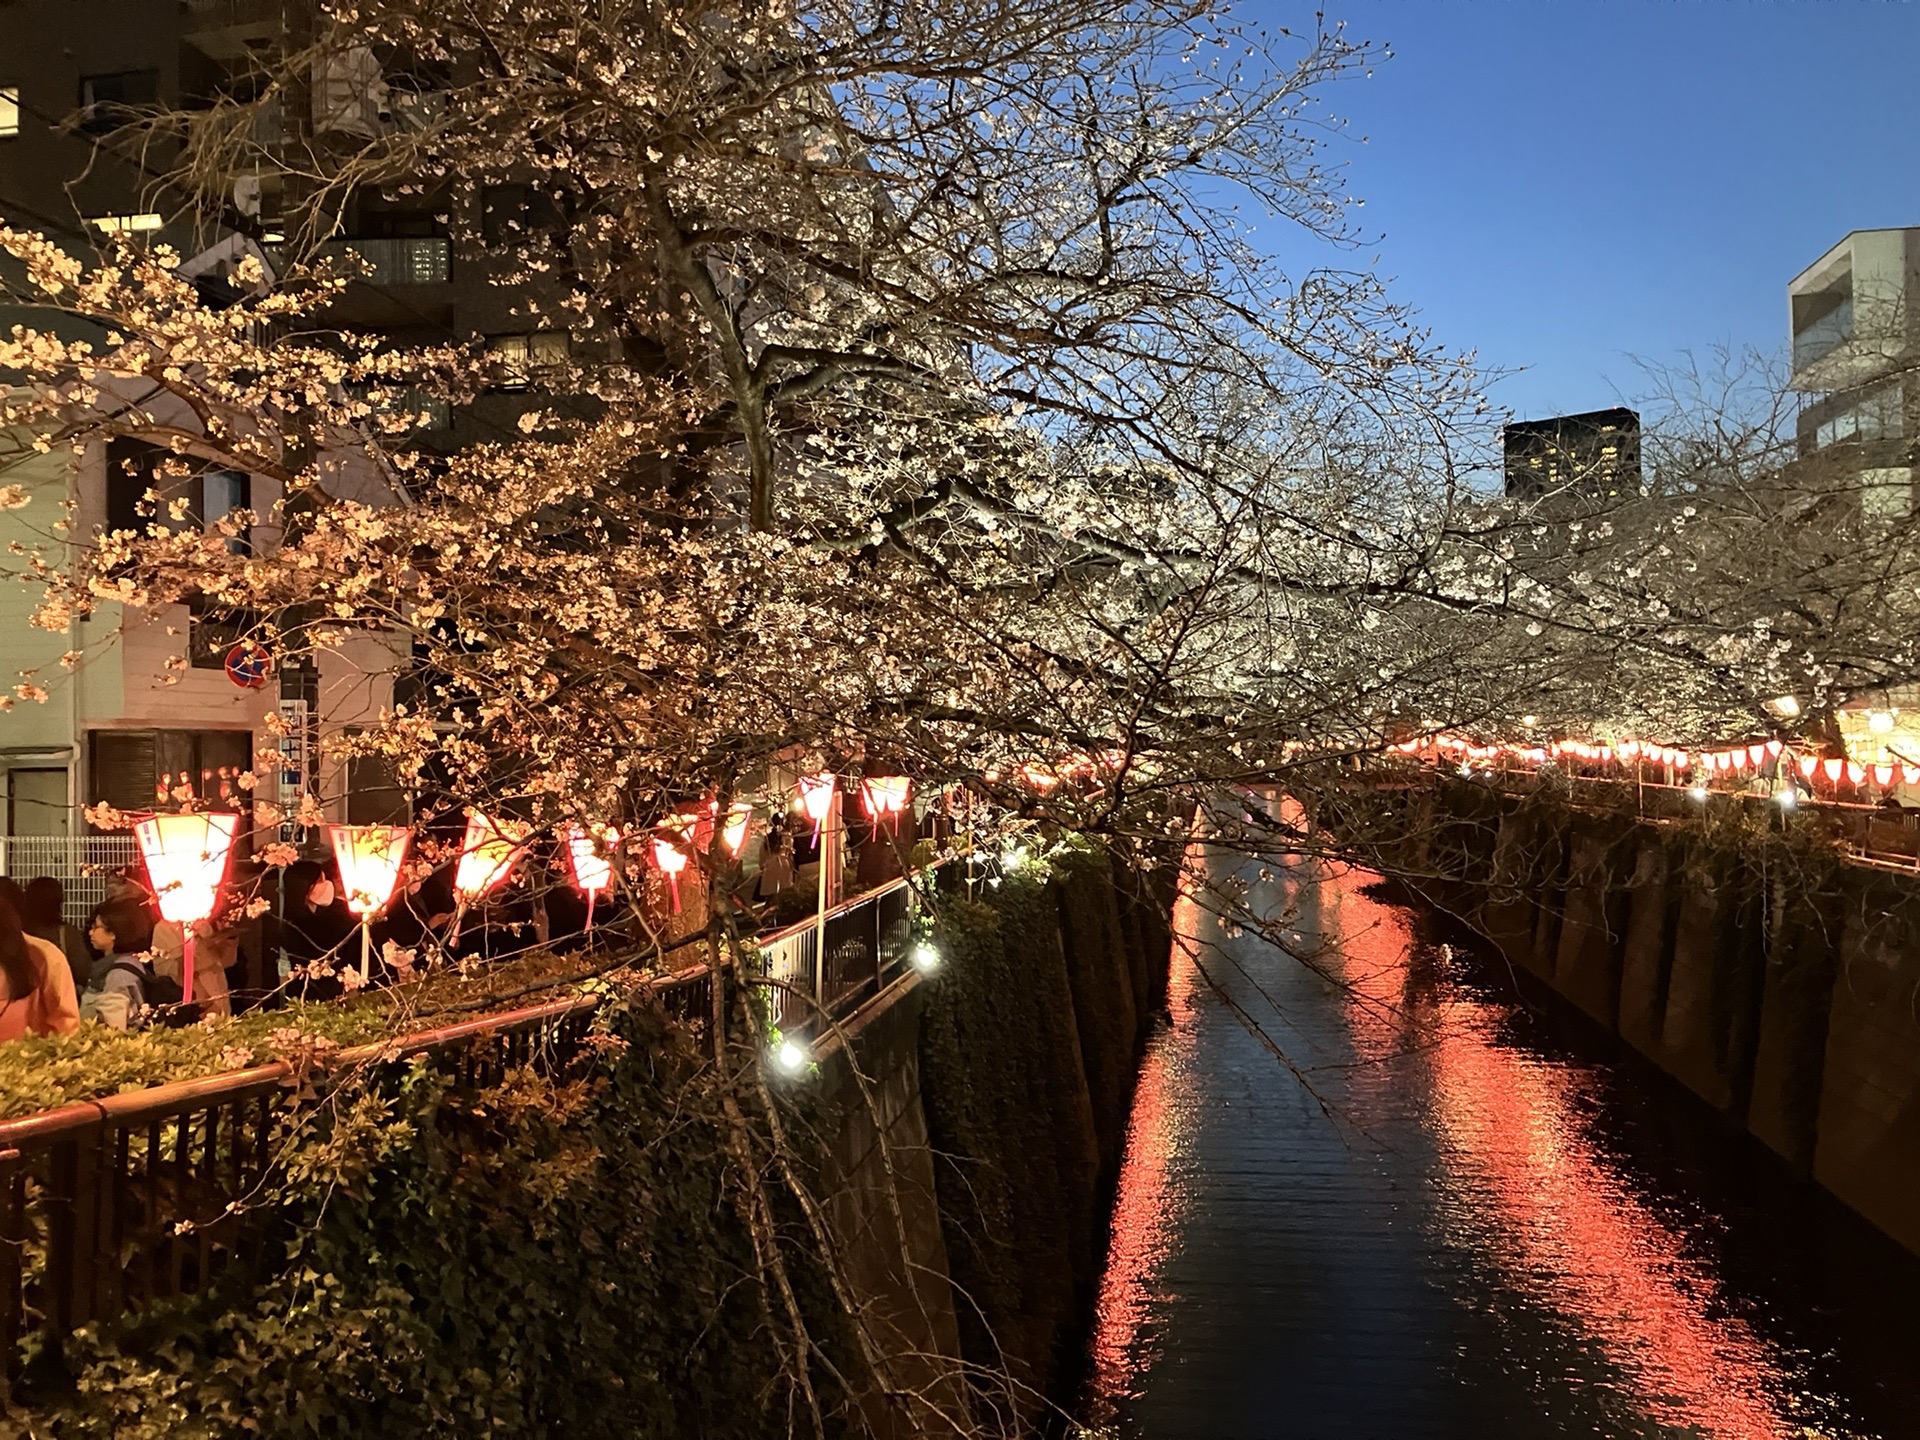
1739	953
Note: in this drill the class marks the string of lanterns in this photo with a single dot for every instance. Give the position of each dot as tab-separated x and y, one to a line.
188	855
1832	770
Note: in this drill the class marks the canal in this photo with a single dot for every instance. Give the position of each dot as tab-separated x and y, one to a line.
1372	1191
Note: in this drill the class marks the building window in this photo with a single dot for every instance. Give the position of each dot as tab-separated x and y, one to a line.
9	110
211	638
1880	416
512	212
1886	494
37	801
132	769
138	224
414	409
525	358
206	498
416	260
109	101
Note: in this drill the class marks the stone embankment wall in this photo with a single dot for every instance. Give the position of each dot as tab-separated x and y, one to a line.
1737	953
1027	1055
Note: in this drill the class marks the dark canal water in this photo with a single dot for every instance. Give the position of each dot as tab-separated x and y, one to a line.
1456	1215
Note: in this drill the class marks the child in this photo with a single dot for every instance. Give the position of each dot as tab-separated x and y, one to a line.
117	988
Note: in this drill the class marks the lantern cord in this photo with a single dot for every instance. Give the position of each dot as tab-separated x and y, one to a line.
590	895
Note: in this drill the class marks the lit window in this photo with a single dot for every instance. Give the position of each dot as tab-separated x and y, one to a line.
125	224
522	357
9	109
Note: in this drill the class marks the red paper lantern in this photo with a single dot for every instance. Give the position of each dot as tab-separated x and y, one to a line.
734	833
488	854
1831	768
186	857
673	846
885	795
816	798
590	858
369	857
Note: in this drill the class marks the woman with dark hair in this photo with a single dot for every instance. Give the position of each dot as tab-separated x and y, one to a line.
45	915
314	927
39	986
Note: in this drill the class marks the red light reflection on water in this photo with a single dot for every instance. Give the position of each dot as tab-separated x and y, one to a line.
1532	1194
1144	1209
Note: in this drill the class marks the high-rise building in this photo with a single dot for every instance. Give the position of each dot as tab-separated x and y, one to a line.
1593	453
1855	321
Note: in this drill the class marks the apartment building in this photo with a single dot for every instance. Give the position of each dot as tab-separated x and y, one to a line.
125	721
1855	320
1593	453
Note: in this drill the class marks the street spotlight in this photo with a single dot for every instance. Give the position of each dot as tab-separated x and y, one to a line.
790	1057
1787	798
925	957
1699	792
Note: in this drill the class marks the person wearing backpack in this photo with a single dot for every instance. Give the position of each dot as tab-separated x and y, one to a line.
123	984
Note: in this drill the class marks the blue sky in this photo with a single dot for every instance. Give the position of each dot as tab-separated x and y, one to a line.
1563	185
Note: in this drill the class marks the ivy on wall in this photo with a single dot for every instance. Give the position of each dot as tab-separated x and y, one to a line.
546	1256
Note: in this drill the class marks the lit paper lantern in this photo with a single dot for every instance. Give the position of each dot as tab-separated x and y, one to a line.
1856	772
590	858
733	834
1883	774
1808	764
1832	767
1774	747
816	798
487	856
186	857
369	857
673	845
1911	772
1757	753
885	795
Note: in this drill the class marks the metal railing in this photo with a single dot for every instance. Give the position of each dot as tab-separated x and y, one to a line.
110	1205
79	862
865	941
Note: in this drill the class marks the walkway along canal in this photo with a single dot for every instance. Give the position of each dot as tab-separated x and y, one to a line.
1378	1194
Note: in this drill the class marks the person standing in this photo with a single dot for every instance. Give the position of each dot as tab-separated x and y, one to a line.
39	985
45	916
119	987
213	952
